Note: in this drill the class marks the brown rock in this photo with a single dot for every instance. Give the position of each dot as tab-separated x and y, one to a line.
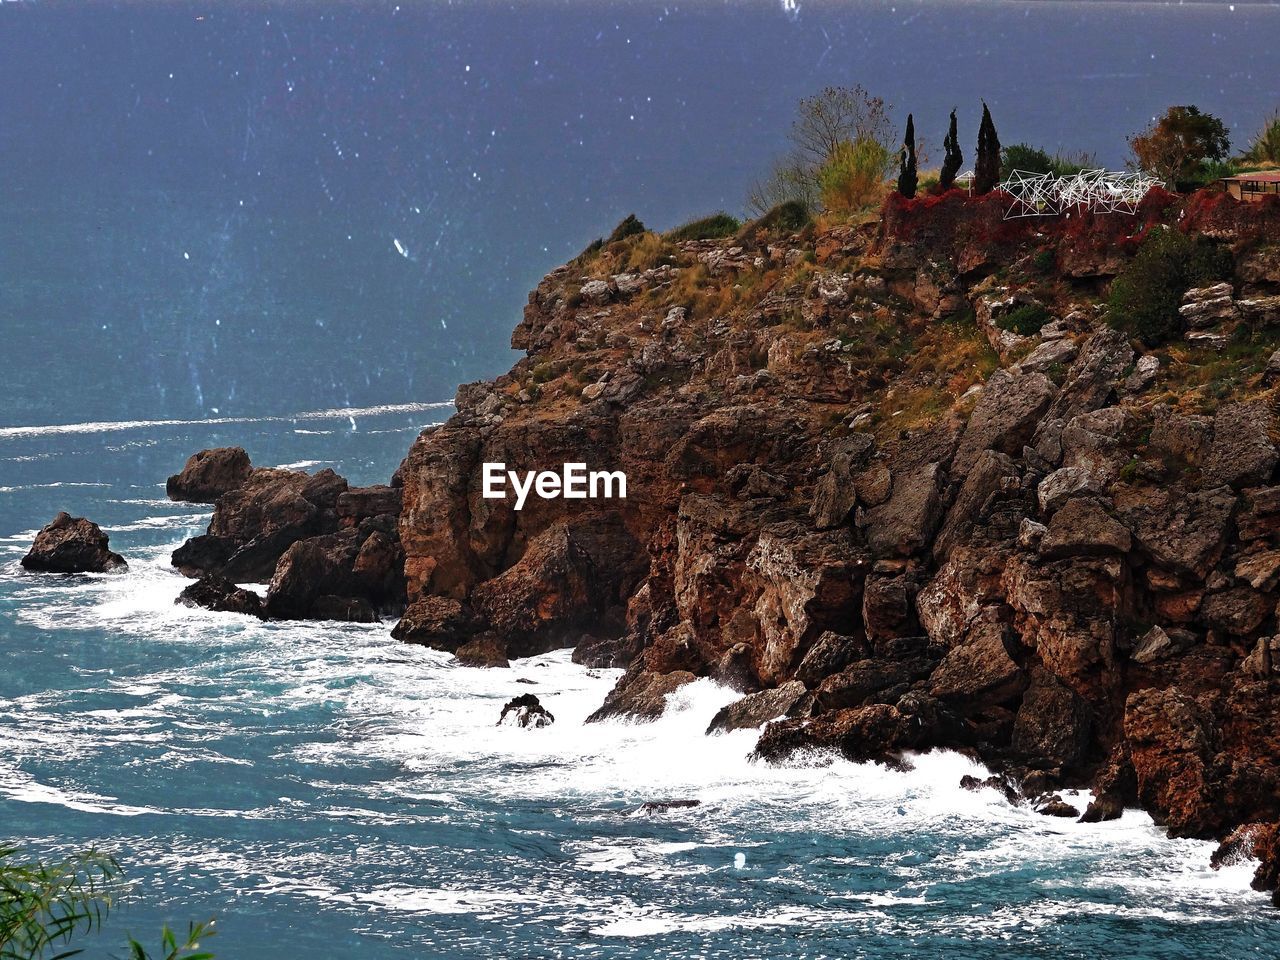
209	474
640	695
1082	528
756	709
1005	417
72	545
441	623
1241	453
217	593
1240	610
1185	532
486	650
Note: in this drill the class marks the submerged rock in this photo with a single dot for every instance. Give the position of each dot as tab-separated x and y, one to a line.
72	545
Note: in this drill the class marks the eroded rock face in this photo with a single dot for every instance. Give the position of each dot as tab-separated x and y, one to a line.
209	474
1051	570
756	709
328	551
72	545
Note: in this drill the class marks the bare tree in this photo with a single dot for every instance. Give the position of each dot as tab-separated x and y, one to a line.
838	115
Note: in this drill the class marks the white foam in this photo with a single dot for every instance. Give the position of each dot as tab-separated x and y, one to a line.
112	426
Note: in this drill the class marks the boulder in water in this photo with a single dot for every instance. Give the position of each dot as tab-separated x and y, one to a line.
72	545
218	593
525	711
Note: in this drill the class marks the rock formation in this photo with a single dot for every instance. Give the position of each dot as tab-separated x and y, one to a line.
72	545
328	550
888	520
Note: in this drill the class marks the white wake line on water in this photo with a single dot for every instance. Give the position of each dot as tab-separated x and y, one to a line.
110	426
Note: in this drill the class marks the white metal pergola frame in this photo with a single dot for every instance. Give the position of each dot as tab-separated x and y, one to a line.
1101	191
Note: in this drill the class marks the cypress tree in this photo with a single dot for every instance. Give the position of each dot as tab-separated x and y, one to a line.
907	179
986	169
953	160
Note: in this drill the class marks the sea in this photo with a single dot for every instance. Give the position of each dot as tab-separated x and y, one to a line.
296	228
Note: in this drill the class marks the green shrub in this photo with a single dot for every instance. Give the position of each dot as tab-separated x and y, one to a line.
46	906
1023	156
1146	294
714	227
628	227
1045	260
1025	320
854	175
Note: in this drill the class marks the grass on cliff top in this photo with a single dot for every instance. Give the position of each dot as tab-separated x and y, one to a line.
932	371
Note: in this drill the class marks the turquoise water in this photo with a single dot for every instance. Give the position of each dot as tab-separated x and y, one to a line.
323	789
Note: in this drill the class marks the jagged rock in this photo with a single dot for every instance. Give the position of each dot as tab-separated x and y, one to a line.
1170	739
486	650
997	782
1184	532
1263	661
756	709
878	680
1049	354
1239	610
1057	807
1158	644
545	599
1241	453
1031	534
1144	374
1082	528
1177	436
1260	570
527	712
1005	417
1206	306
209	474
641	695
978	672
906	521
830	653
312	579
323	489
835	495
663	806
733	669
992	476
1090	384
70	544
888	607
1115	787
1260	515
218	593
441	623
1053	724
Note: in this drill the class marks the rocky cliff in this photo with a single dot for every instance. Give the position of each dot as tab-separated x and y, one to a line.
902	484
868	491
